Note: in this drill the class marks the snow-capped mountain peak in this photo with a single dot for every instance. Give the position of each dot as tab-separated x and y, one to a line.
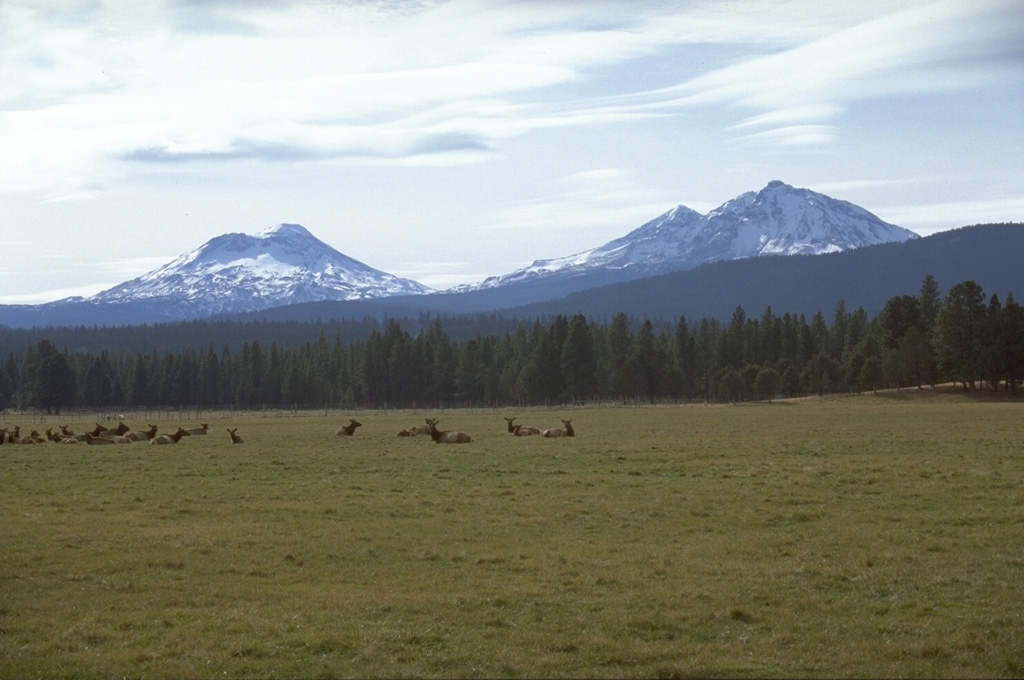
777	220
284	264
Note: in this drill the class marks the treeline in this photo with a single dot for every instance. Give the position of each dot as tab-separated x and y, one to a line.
914	340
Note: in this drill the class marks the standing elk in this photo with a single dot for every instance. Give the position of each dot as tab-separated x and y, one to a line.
350	429
235	437
566	431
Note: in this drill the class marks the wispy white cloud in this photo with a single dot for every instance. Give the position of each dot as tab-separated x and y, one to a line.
936	47
194	81
930	218
586	209
201	81
580	120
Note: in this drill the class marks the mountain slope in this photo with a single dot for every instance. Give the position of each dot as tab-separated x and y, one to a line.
777	220
237	272
865	277
230	274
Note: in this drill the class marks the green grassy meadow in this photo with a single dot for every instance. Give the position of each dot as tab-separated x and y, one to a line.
864	536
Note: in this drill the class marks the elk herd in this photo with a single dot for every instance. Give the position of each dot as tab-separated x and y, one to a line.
100	435
122	434
454	437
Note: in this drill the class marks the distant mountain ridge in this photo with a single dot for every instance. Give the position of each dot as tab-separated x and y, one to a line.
777	220
286	265
803	284
862	278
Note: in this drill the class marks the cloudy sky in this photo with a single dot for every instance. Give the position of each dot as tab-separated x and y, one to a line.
447	141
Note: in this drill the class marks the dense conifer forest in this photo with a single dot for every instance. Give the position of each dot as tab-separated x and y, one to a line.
966	336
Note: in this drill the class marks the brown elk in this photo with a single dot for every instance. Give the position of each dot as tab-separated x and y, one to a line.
350	429
3	435
141	436
199	430
565	431
447	436
235	437
520	430
417	429
113	431
33	438
170	438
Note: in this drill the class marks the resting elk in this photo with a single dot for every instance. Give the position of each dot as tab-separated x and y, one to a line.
70	434
566	431
170	438
143	435
98	441
520	430
118	431
417	429
447	436
350	429
235	437
199	430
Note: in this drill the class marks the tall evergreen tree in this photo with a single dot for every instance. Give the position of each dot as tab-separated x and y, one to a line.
1012	332
619	348
55	383
579	360
931	302
958	332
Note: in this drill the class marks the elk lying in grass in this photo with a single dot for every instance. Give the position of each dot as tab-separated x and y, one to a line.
446	436
33	438
417	429
235	437
199	430
71	434
98	441
520	430
118	431
565	431
141	436
350	429
59	438
170	438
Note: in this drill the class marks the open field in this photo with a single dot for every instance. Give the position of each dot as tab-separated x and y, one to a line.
866	536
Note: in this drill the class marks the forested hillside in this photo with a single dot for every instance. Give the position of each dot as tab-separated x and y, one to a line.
965	336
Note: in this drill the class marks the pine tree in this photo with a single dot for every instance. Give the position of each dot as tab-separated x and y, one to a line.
579	360
958	333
